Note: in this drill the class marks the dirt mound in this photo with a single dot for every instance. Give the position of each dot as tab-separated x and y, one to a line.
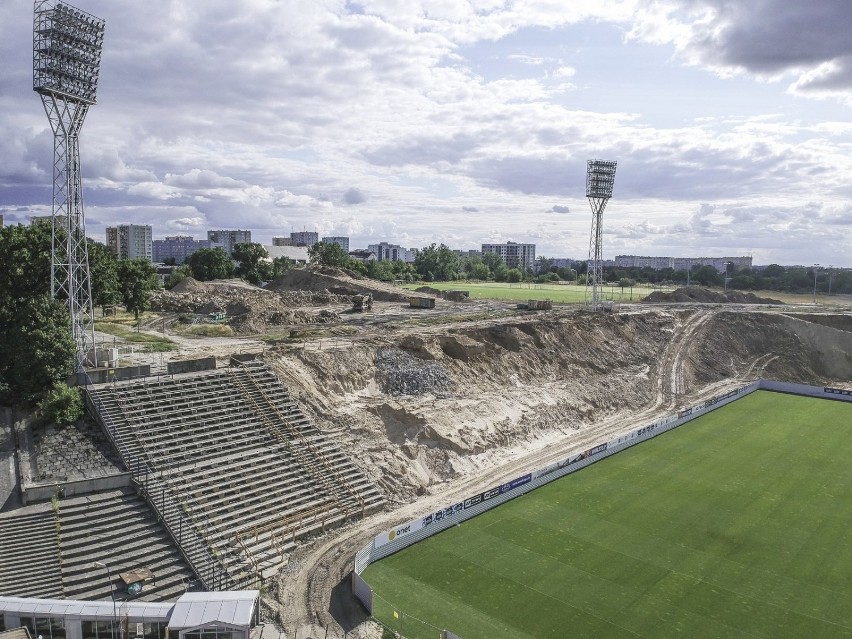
428	290
189	285
252	310
338	282
706	296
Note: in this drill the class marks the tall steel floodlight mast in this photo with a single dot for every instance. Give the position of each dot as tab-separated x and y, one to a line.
600	177
66	58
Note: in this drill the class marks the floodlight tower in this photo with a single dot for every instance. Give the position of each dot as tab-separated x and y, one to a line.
67	46
600	177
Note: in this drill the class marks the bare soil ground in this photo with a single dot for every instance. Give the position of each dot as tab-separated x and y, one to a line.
437	404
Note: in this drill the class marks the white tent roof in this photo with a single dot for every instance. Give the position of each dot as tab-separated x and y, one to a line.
233	608
100	610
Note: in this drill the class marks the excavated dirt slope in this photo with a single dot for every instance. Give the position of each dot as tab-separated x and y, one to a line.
431	412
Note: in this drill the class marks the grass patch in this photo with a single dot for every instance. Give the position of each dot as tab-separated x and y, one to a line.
735	525
156	343
566	293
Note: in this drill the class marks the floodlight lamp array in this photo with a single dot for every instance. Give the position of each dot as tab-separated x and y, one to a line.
600	178
67	47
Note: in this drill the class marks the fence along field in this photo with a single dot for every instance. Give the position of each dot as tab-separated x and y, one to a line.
734	525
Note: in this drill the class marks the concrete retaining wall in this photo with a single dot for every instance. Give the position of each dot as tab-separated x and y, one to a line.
103	375
44	492
191	365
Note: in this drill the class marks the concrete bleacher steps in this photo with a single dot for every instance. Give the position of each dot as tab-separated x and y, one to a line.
246	469
118	529
29	556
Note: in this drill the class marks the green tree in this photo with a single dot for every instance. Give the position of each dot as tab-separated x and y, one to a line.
567	274
103	275
380	270
38	350
514	275
211	264
480	271
24	266
492	261
281	265
501	273
543	264
437	263
706	275
252	262
137	278
329	254
178	275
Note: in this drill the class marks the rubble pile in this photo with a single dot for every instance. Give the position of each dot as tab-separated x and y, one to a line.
404	374
703	295
337	281
252	311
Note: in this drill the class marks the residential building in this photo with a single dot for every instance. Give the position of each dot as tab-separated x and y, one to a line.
467	254
61	220
130	241
342	242
513	253
386	251
282	241
304	238
681	263
228	239
177	247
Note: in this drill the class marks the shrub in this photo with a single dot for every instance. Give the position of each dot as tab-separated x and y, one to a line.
61	405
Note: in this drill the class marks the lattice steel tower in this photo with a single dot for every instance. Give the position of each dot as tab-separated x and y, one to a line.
66	58
600	177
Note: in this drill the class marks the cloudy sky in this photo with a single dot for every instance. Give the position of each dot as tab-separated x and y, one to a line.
460	122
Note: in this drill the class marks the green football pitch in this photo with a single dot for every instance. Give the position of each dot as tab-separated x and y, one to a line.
738	524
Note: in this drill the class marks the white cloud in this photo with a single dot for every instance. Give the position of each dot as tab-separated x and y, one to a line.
385	119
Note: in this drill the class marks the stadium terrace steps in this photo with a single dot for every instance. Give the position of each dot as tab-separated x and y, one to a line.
29	560
250	473
118	529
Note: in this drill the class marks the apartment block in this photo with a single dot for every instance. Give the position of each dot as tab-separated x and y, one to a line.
681	263
177	247
304	238
385	251
228	239
342	242
513	253
130	241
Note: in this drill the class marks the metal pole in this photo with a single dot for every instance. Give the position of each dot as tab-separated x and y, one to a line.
815	281
112	593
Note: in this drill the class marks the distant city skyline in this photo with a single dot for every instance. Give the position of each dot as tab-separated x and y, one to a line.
458	123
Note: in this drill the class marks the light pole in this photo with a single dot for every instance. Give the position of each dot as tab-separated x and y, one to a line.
727	264
111	592
830	267
816	270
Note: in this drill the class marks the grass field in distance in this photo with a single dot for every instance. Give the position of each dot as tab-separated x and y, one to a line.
566	293
734	525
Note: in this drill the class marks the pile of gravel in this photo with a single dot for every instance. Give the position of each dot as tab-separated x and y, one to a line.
404	374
